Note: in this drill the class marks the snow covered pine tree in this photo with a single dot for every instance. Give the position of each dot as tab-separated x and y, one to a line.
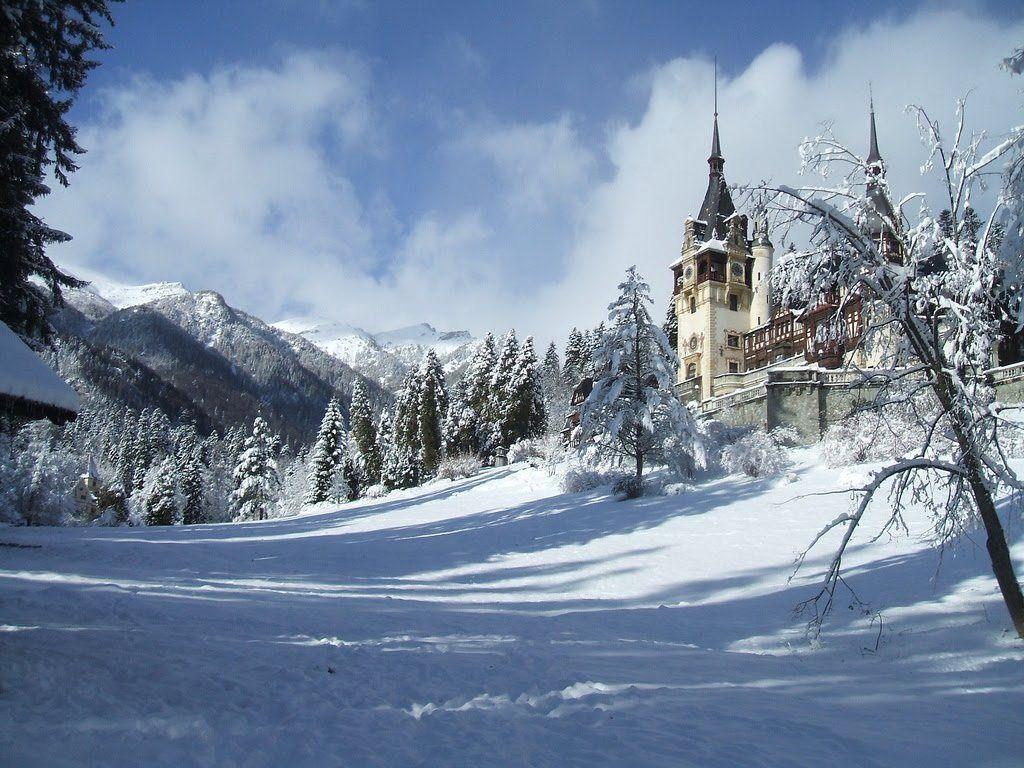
931	330
162	502
45	49
433	406
633	414
360	417
328	455
256	478
402	466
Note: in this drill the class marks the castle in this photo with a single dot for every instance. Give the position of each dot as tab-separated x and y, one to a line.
745	359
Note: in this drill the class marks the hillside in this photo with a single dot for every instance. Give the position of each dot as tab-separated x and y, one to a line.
220	365
498	621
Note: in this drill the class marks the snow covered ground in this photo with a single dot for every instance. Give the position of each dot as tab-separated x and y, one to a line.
496	621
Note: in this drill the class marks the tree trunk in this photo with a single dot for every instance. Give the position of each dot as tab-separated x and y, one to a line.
998	550
999	553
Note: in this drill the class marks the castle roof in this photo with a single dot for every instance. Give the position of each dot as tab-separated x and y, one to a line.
876	191
874	156
717	205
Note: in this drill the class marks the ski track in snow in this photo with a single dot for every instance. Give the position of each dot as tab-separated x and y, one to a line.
497	622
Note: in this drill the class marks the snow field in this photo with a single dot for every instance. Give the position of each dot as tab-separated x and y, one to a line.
497	621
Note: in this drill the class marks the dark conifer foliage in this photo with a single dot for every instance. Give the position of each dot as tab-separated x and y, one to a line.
45	48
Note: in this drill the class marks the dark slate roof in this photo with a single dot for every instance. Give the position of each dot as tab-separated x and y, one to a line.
874	156
717	205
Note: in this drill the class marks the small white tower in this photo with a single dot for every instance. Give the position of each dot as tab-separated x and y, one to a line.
763	252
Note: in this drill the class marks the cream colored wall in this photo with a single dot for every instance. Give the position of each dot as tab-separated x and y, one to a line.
712	322
760	309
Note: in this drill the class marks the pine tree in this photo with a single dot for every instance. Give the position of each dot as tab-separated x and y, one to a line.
556	394
44	63
255	476
162	501
190	478
364	433
593	340
633	412
479	376
125	460
502	401
523	413
460	427
572	369
328	455
402	465
431	411
671	326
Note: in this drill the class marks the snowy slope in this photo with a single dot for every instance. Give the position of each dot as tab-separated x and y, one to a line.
498	622
230	365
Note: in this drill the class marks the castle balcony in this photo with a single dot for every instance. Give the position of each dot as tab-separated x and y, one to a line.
689	389
780	338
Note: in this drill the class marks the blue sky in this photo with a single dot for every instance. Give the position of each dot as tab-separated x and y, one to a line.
472	164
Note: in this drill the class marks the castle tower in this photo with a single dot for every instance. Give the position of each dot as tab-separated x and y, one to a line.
713	285
764	253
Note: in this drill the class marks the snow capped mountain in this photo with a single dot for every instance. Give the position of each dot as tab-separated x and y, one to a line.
424	336
121	295
385	356
345	342
193	347
382	357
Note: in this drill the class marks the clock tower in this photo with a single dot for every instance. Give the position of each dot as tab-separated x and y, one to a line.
714	286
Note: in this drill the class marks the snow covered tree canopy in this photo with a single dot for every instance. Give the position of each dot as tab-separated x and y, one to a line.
44	49
633	413
936	287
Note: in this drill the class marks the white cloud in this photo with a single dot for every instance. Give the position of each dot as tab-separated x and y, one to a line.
660	172
242	180
540	165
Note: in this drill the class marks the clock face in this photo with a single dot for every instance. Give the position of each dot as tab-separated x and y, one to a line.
688	273
737	269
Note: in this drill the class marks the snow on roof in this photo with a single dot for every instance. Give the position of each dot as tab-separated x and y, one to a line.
712	245
23	374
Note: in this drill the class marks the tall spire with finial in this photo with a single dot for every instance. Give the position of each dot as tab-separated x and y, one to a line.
874	156
716	161
718	205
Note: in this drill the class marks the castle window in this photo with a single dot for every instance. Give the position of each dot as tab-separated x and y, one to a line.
693	305
734	302
691	370
733	340
734	367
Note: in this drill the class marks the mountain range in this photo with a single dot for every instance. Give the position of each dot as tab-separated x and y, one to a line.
195	357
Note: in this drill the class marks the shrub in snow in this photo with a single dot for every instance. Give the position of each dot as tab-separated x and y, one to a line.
674	489
543	451
580	479
758	454
375	491
458	467
628	487
875	435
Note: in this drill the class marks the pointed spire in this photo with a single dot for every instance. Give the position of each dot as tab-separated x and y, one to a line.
874	156
716	161
718	205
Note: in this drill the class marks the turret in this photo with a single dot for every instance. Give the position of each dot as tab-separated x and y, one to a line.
763	252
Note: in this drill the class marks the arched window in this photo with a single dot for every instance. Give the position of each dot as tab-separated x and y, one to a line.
693	305
691	370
